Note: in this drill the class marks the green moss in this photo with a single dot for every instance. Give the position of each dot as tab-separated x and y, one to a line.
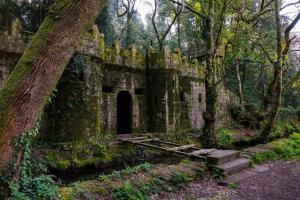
78	163
65	193
63	164
100	190
225	138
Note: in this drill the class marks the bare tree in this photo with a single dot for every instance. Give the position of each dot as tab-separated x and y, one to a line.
127	8
161	35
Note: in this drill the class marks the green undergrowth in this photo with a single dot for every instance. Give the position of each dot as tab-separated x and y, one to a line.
135	183
284	129
143	191
225	138
28	178
288	149
127	171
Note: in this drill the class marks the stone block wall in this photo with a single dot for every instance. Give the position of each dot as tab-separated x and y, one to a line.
117	78
167	92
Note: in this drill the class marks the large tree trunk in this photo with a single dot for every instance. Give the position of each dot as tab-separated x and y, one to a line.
24	95
272	111
209	132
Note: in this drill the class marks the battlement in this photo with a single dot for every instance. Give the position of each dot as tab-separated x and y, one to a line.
13	39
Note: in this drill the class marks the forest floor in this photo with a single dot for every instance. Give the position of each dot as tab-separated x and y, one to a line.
280	182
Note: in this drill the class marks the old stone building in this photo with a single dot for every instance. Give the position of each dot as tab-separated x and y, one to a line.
110	90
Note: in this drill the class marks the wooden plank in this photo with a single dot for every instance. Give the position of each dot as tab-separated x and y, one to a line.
181	147
137	138
174	150
130	140
169	143
142	141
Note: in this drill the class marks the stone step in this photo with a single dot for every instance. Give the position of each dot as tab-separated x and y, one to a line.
238	177
244	174
219	157
234	166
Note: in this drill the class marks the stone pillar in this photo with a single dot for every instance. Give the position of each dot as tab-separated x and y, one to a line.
163	94
74	115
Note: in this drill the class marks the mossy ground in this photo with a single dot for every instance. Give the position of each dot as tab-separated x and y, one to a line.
287	148
139	184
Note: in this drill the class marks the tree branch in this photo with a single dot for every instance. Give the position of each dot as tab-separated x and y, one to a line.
188	7
265	52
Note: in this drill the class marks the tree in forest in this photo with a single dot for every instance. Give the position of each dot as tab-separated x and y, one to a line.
105	23
35	76
212	31
30	13
127	9
163	19
261	18
273	98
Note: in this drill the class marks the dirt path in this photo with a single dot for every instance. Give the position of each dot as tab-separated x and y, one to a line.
281	182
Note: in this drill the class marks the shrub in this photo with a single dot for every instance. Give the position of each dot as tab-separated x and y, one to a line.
128	192
39	188
127	171
225	138
180	179
282	149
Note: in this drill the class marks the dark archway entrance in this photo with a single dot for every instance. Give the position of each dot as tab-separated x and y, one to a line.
124	113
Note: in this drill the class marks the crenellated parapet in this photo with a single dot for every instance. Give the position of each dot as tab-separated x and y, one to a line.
164	60
174	60
13	39
129	58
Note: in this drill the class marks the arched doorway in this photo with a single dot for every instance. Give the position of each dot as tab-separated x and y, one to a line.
124	113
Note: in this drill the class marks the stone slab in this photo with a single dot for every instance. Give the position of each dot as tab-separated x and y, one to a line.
203	151
235	165
222	156
238	177
254	150
260	168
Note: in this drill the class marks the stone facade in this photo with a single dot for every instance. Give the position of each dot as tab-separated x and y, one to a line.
110	90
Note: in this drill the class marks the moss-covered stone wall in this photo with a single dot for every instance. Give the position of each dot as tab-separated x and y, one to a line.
192	102
117	78
167	92
162	100
74	114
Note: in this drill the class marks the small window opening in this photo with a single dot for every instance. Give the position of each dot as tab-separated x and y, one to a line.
200	98
182	97
155	100
81	75
139	91
107	89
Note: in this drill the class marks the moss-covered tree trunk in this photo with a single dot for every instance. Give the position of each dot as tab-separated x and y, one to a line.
209	132
273	98
272	110
36	74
